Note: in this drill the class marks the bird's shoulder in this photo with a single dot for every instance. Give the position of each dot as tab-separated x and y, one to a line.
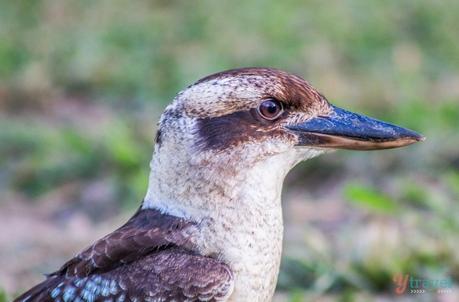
148	258
147	231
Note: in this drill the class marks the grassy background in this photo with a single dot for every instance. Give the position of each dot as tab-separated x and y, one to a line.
82	84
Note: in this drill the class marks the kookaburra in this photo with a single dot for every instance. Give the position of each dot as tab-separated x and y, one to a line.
210	226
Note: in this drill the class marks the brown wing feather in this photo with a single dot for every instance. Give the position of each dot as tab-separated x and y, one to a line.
146	231
149	257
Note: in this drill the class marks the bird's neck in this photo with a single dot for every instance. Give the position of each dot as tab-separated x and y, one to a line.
239	215
238	208
180	186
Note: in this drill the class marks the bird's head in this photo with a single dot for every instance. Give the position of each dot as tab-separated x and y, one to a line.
254	113
238	119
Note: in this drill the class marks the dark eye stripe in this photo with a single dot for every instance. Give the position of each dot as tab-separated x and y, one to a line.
223	131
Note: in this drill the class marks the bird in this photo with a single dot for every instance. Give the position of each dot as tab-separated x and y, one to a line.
210	226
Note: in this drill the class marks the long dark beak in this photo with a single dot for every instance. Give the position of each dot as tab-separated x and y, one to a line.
342	129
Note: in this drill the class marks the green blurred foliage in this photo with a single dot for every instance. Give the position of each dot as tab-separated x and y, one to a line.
3	296
148	50
83	82
369	198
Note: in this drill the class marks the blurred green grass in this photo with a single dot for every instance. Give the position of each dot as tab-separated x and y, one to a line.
83	82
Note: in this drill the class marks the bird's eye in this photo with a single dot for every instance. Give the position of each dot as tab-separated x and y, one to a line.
270	109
